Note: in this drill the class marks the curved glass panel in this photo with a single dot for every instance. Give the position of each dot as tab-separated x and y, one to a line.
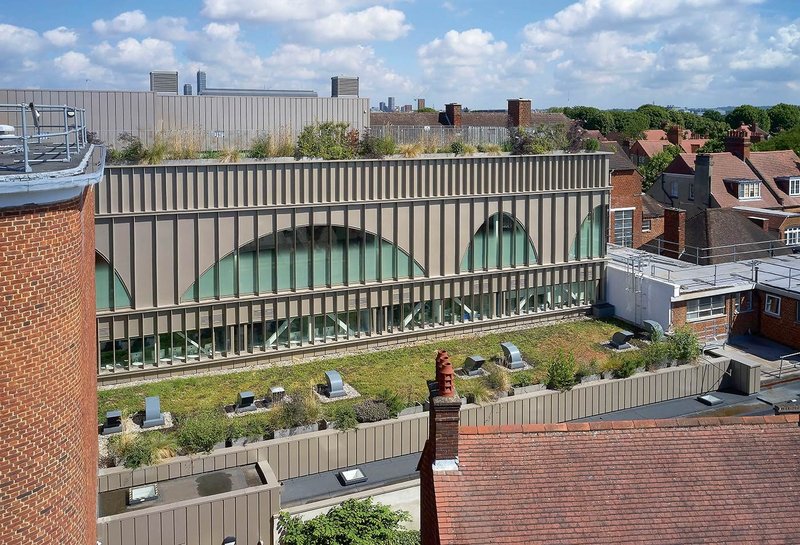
590	240
107	284
307	257
500	241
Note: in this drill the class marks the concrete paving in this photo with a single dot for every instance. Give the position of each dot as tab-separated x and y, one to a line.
765	352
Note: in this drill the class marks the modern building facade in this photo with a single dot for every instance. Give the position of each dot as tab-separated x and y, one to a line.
223	265
48	395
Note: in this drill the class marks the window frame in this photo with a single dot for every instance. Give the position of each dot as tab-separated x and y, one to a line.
647	225
620	226
794	181
691	191
715	308
674	191
777	312
792	233
749	191
737	305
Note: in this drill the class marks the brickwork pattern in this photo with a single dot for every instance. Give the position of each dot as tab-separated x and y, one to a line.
47	374
784	328
626	192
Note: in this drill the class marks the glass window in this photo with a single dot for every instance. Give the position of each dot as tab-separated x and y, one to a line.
647	226
590	240
500	242
744	301
792	236
794	186
623	228
673	189
749	190
706	307
107	284
691	191
772	305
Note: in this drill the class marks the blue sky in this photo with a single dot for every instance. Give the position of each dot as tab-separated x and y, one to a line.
606	53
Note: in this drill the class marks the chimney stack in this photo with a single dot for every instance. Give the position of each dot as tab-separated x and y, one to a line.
444	413
738	143
675	135
453	113
519	112
674	232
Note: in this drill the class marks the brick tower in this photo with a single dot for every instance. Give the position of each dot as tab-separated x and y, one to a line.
48	423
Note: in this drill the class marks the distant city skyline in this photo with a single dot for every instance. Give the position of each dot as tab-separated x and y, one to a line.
604	53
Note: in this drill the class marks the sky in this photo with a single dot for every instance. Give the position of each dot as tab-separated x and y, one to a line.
604	53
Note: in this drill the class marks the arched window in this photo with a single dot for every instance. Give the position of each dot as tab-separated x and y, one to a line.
109	287
500	241
306	257
590	239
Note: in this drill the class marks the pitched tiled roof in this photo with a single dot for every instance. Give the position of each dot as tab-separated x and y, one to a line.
728	166
772	164
620	159
652	147
720	229
654	134
651	208
731	480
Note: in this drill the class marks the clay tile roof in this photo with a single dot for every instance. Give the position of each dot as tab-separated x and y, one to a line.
620	159
773	164
709	480
727	166
654	134
651	208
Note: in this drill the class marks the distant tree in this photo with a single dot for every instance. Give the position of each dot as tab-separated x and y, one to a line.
630	124
785	140
657	116
427	109
677	117
784	117
714	145
713	115
652	169
747	114
354	522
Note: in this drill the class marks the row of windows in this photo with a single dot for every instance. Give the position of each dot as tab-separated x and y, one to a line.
710	307
327	256
333	325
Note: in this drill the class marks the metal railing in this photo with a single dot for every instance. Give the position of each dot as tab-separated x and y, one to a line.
437	137
41	133
792	365
719	254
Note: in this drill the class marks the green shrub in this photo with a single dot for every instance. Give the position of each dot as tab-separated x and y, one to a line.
301	408
520	380
252	427
261	147
157	152
587	369
561	372
345	417
683	344
376	147
371	411
591	144
627	367
497	379
491	149
325	140
474	390
142	449
131	151
656	354
200	432
458	147
393	401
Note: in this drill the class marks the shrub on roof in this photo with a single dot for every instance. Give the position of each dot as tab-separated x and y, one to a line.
561	372
371	411
327	140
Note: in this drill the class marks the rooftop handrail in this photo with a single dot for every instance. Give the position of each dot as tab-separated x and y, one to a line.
69	122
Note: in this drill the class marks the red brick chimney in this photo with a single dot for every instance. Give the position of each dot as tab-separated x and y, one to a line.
453	113
738	143
441	450
675	135
674	232
519	112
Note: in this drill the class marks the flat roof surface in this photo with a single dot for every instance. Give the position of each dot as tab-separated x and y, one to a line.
44	158
114	502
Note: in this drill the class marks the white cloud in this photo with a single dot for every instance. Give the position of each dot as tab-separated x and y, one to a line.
18	40
275	11
74	65
372	24
61	36
124	23
147	54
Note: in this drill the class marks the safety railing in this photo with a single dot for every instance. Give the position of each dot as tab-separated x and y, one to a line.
38	133
787	365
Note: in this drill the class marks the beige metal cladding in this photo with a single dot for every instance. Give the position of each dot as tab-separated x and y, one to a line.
109	113
161	227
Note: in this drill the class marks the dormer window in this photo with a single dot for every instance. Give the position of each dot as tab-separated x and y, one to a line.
746	189
790	184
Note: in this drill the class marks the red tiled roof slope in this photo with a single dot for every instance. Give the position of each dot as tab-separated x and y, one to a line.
733	480
772	164
726	165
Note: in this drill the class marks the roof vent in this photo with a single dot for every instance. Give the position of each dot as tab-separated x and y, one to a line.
511	356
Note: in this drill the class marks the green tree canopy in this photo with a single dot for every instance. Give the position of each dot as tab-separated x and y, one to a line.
652	169
713	115
354	522
784	117
630	124
748	115
785	140
657	116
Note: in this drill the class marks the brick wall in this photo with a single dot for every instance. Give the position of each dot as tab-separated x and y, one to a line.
48	394
656	230
626	192
784	328
735	323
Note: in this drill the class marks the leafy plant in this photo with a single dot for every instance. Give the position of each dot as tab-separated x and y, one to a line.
476	391
587	369
656	354
496	379
591	144
132	150
627	367
371	411
200	432
353	522
411	150
300	409
345	417
261	147
393	401
157	152
458	148
658	163
491	149
561	372
376	147
251	427
142	449
327	140
683	344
